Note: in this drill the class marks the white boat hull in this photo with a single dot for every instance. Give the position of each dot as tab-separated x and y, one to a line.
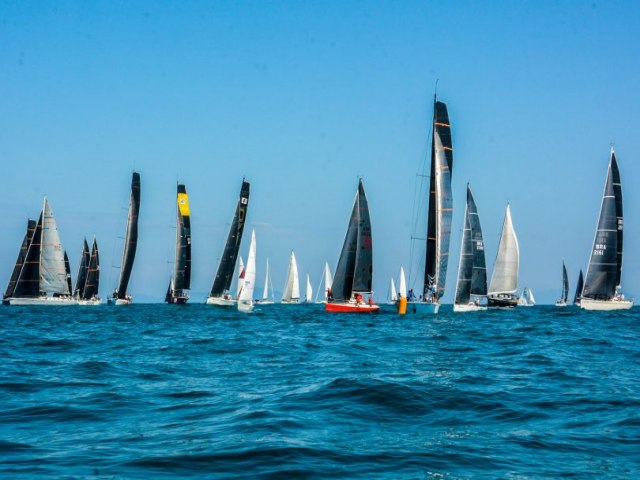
605	305
469	307
245	306
221	302
560	303
293	301
92	302
41	301
426	308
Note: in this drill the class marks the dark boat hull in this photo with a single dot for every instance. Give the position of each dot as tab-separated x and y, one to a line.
502	302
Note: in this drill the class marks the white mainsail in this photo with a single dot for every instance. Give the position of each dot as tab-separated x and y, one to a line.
444	208
402	287
308	297
240	276
53	275
292	287
504	278
267	280
245	297
327	280
394	294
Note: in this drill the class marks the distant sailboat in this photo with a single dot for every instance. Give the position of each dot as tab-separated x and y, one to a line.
602	286
81	279
354	272
43	266
393	294
562	302
292	286
527	299
181	279
120	295
504	279
578	296
220	294
440	215
268	287
402	285
328	280
245	297
308	296
86	292
471	286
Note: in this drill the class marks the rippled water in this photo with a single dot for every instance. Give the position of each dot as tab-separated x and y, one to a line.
152	391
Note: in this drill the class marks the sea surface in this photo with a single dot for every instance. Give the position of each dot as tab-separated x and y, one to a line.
158	391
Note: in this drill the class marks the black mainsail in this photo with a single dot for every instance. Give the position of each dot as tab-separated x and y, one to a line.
22	255
67	269
181	280
81	280
224	275
472	272
92	282
440	205
28	283
605	264
354	272
131	238
578	296
565	284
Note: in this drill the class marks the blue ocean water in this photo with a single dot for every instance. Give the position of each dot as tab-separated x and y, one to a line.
158	391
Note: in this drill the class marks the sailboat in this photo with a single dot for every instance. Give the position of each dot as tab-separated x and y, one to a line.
120	295
181	279
402	285
565	288
526	299
220	294
245	296
602	286
291	293
471	286
504	279
393	294
308	295
41	268
578	296
354	272
328	280
266	298
88	294
440	214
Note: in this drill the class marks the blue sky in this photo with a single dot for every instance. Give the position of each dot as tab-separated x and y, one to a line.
302	98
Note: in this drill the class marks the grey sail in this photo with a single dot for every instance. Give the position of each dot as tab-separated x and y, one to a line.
440	205
131	237
81	279
53	268
472	271
565	284
578	296
605	264
355	267
22	255
224	275
92	283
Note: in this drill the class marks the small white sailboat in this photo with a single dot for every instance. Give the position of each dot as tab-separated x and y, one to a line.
402	285
526	299
328	280
291	294
393	294
308	296
266	298
504	278
245	296
603	283
44	267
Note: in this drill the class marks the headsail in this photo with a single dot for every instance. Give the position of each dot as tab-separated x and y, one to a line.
22	255
504	278
53	273
131	237
605	265
578	296
245	298
224	275
67	269
182	266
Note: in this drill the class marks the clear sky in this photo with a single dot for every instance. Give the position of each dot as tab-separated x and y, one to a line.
302	98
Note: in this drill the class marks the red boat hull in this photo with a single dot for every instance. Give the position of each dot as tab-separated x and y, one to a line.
348	307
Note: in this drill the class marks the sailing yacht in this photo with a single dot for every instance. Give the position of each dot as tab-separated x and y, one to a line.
439	217
578	295
393	294
308	295
526	299
245	295
562	302
220	294
86	292
268	287
328	280
181	278
471	287
291	292
602	286
42	267
504	278
120	295
354	272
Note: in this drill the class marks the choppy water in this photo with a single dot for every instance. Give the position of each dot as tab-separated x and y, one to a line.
155	391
